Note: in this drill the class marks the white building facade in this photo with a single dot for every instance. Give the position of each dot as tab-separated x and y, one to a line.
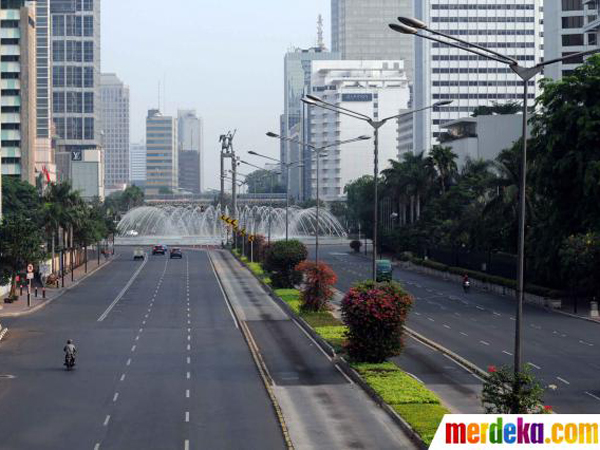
570	26
511	27
377	89
115	126
137	164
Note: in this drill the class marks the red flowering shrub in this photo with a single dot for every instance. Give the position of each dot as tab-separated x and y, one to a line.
375	314
317	288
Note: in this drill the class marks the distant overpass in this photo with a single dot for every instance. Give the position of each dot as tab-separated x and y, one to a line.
210	199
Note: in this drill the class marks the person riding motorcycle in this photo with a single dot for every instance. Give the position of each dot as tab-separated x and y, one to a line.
70	351
466	282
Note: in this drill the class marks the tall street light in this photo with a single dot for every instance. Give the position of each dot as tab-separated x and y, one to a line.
287	166
376	125
319	153
416	27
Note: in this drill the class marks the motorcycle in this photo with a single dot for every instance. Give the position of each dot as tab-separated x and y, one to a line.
466	286
69	361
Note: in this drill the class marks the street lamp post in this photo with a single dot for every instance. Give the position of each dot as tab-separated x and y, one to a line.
287	166
415	26
319	153
376	125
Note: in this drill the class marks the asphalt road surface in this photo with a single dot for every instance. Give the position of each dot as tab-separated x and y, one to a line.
162	364
166	368
479	326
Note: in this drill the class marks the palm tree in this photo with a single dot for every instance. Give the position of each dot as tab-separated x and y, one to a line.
395	185
419	177
443	161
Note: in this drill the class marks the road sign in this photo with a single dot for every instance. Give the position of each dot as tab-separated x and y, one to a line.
30	276
30	268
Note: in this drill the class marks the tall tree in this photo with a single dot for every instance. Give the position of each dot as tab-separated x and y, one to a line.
443	160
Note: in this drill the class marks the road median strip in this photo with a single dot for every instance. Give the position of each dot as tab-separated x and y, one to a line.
414	408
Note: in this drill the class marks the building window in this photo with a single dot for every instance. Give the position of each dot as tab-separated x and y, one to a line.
58	103
73	76
58	25
575	60
88	5
88	51
58	76
592	39
74	26
74	102
88	102
571	40
572	5
58	51
88	77
572	22
74	53
88	25
59	123
74	128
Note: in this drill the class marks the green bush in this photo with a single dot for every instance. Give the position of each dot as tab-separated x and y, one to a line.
375	314
282	257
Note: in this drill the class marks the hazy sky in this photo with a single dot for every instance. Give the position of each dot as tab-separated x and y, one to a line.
222	58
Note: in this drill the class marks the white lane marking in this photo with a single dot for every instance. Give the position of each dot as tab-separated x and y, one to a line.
106	420
464	334
447	326
128	362
512	318
186	445
481	308
457	314
189	360
97	447
537	327
429	318
312	340
116	397
592	395
562	380
189	330
137	338
533	365
507	353
187	393
484	343
187	416
189	322
122	293
146	316
589	344
133	348
464	367
123	377
189	338
143	322
417	313
222	292
189	375
189	347
496	314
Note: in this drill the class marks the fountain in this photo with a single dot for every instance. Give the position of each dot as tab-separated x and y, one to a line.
190	225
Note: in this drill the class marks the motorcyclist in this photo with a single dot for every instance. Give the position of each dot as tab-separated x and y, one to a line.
466	282
70	350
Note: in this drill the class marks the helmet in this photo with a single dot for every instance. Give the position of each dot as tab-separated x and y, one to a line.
69	341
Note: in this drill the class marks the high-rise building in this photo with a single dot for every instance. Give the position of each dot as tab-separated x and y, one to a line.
115	127
44	161
359	30
190	143
76	81
137	164
297	83
377	89
162	156
18	84
445	73
568	28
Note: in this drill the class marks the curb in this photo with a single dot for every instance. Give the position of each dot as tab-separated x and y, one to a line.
258	361
341	363
60	294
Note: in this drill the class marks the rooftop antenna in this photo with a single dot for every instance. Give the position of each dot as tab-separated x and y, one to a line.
320	40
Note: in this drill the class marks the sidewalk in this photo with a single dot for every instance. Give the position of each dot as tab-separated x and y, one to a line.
20	308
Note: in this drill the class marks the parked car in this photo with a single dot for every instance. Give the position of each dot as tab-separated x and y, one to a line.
159	250
384	270
176	253
138	253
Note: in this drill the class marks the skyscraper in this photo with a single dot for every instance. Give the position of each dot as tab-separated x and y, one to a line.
162	156
190	143
76	79
115	126
445	73
44	160
137	164
297	83
376	89
18	118
570	26
359	30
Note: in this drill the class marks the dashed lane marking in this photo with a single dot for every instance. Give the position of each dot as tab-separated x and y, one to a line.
128	363
464	334
116	397
123	377
106	420
562	380
189	375
507	353
533	365
447	326
484	343
187	393
187	416
593	396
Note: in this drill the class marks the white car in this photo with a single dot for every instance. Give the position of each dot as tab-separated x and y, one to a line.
138	253
132	233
